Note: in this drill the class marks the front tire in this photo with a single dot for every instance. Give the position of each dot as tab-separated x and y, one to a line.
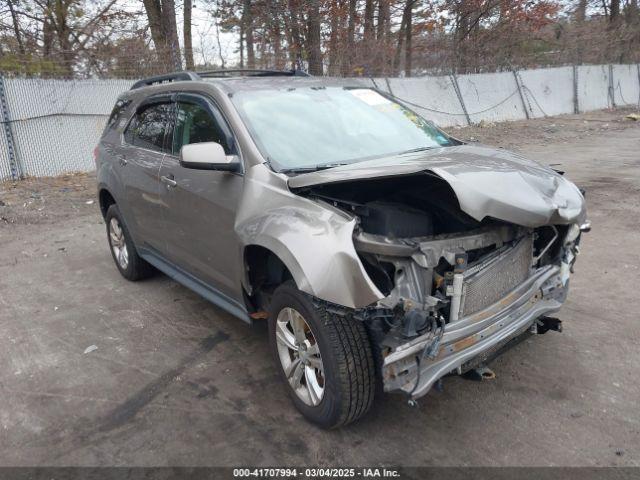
324	358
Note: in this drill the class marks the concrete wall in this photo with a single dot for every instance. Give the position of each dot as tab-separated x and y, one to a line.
57	123
492	97
436	94
593	87
626	85
548	91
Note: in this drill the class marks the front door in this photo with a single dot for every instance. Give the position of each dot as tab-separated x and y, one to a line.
140	157
199	206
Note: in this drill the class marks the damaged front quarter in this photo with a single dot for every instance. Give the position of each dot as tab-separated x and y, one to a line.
470	247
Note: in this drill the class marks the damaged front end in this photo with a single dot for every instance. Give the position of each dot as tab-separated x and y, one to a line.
456	290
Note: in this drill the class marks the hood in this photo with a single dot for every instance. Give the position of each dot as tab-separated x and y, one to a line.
487	182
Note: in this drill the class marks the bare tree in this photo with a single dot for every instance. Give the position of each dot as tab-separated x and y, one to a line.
404	39
186	31
314	49
295	40
16	27
334	38
247	29
581	11
351	41
164	32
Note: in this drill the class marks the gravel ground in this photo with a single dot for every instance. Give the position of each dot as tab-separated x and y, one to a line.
99	371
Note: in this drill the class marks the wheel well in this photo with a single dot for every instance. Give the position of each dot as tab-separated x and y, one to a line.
106	200
265	271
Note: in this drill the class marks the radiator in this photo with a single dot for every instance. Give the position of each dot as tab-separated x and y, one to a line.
493	277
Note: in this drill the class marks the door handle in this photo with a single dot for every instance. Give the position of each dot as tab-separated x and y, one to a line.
122	160
168	180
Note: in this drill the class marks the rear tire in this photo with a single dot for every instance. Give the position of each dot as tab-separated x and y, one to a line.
130	265
347	378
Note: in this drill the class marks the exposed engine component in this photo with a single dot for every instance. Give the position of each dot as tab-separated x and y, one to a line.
395	220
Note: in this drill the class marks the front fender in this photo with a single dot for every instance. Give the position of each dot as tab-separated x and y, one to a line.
313	241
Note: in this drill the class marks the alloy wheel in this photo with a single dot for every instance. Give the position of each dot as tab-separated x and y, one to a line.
300	357
118	243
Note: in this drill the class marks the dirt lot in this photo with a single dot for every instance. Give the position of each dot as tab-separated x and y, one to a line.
176	381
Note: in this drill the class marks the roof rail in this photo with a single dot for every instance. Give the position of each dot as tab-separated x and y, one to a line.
195	76
168	77
252	72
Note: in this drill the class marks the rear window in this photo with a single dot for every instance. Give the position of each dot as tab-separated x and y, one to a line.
116	114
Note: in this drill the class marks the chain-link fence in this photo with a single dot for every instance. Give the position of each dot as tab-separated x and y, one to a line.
51	127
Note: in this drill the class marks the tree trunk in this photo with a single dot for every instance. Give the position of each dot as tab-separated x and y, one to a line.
402	34
384	15
614	11
47	37
461	31
383	33
347	58
295	49
241	43
581	11
408	48
186	30
16	27
171	32
369	35
247	21
63	33
314	52
334	39
276	36
368	20
154	16
164	31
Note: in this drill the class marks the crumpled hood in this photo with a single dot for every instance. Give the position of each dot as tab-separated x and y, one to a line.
488	183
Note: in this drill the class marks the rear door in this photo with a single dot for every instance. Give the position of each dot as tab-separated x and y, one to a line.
145	142
200	205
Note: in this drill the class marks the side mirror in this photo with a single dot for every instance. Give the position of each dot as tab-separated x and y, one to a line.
208	156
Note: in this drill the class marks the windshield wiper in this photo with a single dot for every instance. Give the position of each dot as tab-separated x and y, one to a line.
313	168
414	150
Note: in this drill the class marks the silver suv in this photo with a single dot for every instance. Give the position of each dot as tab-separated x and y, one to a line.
383	253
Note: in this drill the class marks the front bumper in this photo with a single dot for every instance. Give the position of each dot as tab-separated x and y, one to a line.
475	335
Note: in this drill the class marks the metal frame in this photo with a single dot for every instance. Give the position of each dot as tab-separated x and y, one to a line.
612	92
5	118
576	106
251	72
518	80
169	77
456	88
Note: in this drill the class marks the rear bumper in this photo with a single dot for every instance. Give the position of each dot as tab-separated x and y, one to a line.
475	336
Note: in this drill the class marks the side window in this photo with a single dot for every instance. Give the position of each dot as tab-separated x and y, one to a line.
194	124
148	128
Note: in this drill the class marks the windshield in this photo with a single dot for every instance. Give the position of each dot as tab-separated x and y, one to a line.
310	128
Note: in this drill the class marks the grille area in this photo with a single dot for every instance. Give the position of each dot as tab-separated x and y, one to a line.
490	280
